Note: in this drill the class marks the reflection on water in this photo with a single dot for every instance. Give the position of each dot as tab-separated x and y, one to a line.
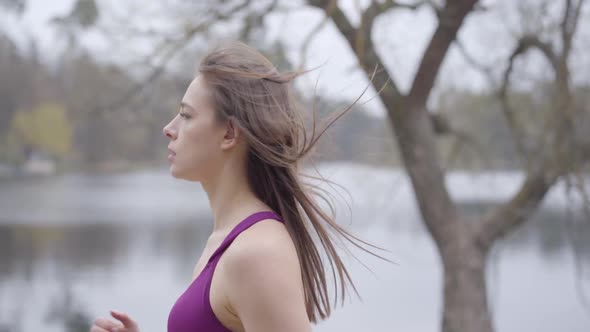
60	276
62	257
72	248
551	231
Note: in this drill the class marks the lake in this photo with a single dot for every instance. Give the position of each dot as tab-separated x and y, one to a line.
74	246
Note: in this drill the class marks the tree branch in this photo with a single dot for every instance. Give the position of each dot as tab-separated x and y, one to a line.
169	48
365	53
524	44
512	214
389	4
378	7
413	125
530	41
507	110
416	136
450	20
569	24
486	71
542	173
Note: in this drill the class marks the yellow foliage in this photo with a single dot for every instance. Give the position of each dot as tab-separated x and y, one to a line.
46	128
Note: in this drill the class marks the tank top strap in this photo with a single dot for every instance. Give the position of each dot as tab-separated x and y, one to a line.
240	227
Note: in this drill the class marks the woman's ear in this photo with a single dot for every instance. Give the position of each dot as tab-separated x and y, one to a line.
231	135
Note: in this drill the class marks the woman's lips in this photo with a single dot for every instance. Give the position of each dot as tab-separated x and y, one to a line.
171	154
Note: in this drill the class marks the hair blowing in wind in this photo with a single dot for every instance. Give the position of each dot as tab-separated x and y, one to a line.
249	91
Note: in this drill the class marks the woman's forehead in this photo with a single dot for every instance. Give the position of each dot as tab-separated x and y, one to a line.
197	92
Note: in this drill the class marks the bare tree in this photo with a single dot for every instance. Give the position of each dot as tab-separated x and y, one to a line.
464	241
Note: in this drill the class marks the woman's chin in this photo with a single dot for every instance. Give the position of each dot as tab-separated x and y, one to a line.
174	172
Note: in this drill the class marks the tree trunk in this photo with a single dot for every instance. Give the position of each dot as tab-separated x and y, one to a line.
465	297
458	239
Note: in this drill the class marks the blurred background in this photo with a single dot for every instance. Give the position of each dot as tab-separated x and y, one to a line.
467	157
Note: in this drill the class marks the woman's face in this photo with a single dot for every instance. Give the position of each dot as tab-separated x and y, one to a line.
196	138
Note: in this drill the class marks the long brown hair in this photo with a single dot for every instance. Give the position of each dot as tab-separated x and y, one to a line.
249	91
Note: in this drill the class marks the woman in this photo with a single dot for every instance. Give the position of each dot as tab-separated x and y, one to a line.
240	134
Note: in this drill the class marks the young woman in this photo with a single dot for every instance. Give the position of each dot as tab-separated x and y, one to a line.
240	134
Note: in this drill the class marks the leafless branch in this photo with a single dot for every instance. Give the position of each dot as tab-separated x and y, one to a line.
389	4
507	110
254	19
450	19
366	54
537	182
524	44
378	7
512	214
168	48
569	24
486	71
543	173
530	41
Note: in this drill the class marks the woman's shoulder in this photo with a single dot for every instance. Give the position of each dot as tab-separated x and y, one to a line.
261	271
264	250
268	239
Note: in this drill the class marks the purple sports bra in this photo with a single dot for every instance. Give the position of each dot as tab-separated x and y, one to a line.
192	311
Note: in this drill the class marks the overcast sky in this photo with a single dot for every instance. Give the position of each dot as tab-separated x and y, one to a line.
401	36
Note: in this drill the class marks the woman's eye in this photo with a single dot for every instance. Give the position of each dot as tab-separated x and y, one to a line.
184	115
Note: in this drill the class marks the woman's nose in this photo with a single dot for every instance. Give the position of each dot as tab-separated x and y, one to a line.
169	132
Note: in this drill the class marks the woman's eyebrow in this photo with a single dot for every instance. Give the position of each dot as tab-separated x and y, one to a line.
185	105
